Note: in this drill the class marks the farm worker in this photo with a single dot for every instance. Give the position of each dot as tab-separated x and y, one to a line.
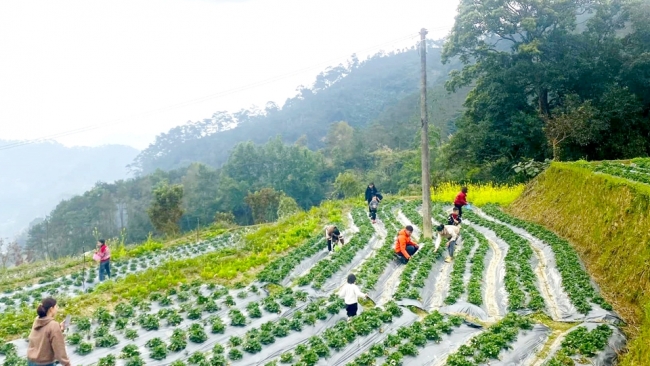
450	232
372	207
404	246
454	217
350	294
46	343
333	236
103	256
371	191
461	200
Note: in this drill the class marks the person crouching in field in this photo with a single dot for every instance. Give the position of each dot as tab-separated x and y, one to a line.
404	246
454	217
372	208
333	237
452	233
351	294
46	343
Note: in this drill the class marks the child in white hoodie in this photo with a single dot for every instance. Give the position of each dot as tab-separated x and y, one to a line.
350	294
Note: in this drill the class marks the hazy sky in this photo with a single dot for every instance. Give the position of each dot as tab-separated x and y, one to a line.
155	64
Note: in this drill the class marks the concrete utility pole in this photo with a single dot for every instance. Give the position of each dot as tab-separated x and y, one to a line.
427	232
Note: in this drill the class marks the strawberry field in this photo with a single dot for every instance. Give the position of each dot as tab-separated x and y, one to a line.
515	294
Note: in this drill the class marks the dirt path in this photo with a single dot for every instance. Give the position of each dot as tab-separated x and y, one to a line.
541	270
547	294
490	281
553	344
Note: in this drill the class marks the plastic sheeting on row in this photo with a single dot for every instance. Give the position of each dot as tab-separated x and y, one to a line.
340	276
436	353
495	296
523	350
605	357
562	309
305	265
165	332
362	344
124	269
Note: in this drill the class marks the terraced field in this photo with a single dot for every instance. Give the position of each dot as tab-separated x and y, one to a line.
515	294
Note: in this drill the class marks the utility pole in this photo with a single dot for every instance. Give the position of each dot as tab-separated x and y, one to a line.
426	175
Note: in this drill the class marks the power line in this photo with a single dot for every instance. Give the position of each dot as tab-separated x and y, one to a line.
198	100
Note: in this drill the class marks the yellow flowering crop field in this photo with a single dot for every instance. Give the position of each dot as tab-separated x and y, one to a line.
478	194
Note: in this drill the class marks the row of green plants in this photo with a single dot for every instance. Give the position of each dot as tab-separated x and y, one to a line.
342	334
417	270
369	273
520	280
623	171
408	340
582	343
456	282
279	269
487	345
575	280
48	271
11	355
477	269
324	269
151	257
224	266
456	277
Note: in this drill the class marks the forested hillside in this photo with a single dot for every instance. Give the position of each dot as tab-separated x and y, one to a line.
356	93
356	124
35	177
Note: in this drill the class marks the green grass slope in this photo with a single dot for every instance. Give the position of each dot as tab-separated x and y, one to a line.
607	219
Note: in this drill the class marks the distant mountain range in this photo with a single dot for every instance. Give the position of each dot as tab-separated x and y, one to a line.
34	178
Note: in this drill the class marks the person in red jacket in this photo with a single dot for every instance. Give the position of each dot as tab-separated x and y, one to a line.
461	200
404	246
103	256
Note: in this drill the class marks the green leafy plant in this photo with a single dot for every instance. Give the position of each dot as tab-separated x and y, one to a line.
106	341
107	361
217	325
235	354
286	357
197	333
84	348
237	319
130	334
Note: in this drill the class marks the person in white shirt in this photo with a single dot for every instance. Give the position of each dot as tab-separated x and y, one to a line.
452	233
350	294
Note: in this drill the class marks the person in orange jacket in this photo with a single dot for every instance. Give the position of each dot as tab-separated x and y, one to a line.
404	246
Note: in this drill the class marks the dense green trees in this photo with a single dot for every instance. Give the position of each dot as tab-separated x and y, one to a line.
546	85
165	210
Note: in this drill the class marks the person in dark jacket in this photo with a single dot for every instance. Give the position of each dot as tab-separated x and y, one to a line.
454	217
371	191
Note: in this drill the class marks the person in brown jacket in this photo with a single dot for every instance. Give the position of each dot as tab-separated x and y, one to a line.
46	344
